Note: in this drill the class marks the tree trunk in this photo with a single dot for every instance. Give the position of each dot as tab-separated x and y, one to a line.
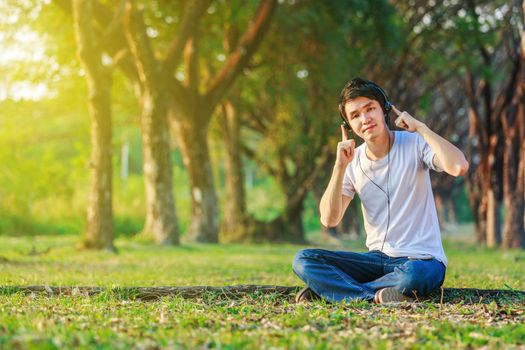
161	221
234	226
513	228
478	205
451	211
296	187
345	227
513	231
350	223
193	142
481	225
293	222
521	106
483	200
523	154
492	239
286	228
99	233
492	189
513	164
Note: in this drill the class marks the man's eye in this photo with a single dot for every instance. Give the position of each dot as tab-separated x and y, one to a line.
370	109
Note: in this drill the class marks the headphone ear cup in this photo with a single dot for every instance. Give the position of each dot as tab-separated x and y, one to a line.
388	107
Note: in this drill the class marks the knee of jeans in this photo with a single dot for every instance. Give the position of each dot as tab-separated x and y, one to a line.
300	259
409	286
416	281
410	283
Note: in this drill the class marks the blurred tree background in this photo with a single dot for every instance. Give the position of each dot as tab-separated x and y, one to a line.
216	121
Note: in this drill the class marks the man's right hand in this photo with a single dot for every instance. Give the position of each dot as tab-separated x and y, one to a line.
345	150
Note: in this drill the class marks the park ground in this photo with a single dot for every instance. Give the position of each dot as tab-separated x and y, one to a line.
119	320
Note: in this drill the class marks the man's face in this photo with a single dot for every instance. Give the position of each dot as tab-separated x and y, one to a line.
365	117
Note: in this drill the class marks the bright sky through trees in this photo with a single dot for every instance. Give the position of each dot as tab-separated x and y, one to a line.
22	47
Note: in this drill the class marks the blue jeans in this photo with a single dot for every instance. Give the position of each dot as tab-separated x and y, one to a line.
344	276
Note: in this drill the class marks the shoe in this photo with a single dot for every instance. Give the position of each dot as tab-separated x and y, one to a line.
306	295
390	295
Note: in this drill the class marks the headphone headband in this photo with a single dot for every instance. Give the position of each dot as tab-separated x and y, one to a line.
388	105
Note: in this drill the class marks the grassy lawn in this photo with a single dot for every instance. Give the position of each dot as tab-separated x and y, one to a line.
254	321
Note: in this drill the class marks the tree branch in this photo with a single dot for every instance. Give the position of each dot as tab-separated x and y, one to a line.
140	47
240	57
193	12
309	178
264	166
114	24
114	43
191	59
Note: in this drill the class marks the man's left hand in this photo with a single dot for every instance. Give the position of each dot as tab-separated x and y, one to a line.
405	120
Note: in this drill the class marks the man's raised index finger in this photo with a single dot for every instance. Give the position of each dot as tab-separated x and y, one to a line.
397	111
344	136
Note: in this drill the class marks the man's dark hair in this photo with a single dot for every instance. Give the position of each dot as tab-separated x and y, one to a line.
359	87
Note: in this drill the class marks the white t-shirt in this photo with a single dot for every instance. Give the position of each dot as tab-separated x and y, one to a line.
413	230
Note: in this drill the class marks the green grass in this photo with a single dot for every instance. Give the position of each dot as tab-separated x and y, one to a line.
255	321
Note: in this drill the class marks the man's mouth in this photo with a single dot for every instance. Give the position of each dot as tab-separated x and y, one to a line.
368	128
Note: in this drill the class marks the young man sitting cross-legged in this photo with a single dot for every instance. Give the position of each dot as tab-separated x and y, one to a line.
390	173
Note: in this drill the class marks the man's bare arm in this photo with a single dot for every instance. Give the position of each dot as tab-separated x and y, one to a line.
334	203
447	156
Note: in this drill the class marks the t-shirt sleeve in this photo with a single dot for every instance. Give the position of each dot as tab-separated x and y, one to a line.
348	187
426	154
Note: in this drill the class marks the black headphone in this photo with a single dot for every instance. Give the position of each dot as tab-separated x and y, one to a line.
387	107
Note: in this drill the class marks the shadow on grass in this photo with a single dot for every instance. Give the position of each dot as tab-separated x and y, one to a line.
286	293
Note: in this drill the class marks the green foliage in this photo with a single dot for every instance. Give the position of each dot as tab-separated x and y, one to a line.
312	48
265	200
311	214
463	210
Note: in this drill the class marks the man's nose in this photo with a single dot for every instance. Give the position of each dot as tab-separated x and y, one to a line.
366	117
